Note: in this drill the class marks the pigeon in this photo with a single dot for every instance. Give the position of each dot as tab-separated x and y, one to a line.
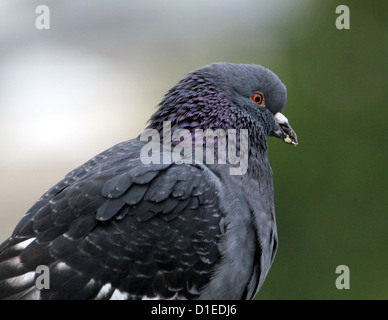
148	219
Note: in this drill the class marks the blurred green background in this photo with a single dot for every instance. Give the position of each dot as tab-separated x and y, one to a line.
94	78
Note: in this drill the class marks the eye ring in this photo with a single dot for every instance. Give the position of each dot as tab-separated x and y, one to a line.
258	98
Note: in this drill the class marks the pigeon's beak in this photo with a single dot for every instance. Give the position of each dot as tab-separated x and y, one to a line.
284	130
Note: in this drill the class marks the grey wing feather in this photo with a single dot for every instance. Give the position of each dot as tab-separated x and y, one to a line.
116	228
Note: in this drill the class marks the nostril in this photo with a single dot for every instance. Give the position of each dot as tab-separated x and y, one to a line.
280	118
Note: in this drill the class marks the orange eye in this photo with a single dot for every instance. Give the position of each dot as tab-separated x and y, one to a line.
258	98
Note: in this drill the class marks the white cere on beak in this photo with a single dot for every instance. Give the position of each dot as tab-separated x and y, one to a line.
280	118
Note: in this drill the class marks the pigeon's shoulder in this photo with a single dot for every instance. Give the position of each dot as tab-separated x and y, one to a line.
118	228
109	160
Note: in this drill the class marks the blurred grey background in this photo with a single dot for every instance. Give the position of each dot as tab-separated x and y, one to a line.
94	78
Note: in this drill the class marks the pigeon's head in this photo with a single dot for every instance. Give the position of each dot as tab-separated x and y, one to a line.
226	95
258	92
